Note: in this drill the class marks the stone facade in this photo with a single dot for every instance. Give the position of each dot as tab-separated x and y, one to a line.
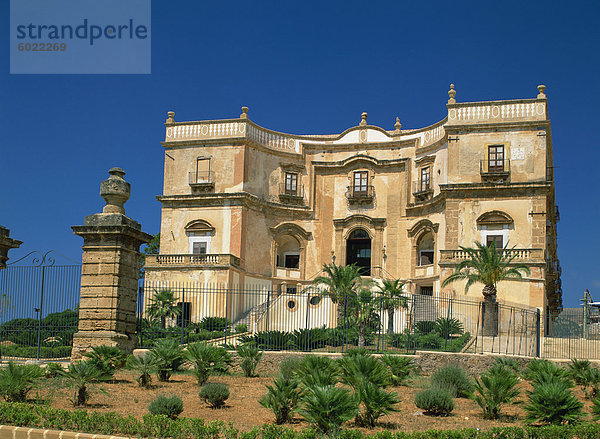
109	279
244	205
6	243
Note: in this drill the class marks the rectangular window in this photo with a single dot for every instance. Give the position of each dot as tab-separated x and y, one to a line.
199	248
203	170
360	184
425	257
426	290
291	183
185	314
425	179
497	239
496	158
292	261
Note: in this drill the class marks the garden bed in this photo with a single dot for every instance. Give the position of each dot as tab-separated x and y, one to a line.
124	397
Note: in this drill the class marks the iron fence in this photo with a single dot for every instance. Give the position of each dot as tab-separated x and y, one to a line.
573	333
308	320
38	310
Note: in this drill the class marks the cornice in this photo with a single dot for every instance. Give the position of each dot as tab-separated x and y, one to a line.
360	158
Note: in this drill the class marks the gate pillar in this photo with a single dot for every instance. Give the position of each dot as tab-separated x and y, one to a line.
6	243
109	279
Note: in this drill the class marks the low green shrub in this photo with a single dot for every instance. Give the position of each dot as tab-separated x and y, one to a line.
495	387
375	402
249	355
591	382
169	406
80	375
145	366
454	379
552	402
107	359
399	367
270	340
308	339
435	401
17	380
509	363
214	394
52	370
214	324
578	370
357	367
289	366
542	371
168	354
315	370
447	327
242	327
283	398
46	352
425	326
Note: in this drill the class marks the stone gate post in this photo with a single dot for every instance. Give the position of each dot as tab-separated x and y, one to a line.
6	243
109	279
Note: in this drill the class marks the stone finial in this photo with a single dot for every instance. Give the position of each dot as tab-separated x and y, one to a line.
170	118
541	88
452	95
115	191
363	119
398	125
244	114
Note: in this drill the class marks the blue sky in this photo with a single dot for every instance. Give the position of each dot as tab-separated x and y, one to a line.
302	67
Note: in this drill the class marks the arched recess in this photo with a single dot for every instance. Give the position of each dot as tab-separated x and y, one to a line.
374	227
200	234
423	235
358	250
494	227
289	247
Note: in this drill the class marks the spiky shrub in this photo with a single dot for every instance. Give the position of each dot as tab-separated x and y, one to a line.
553	403
80	375
596	408
144	366
249	355
107	359
214	323
289	366
454	379
446	327
508	363
399	367
375	402
591	382
578	370
368	377
328	407
543	371
283	398
170	406
207	360
435	401
168	355
317	371
52	370
425	326
16	381
241	328
495	387
214	394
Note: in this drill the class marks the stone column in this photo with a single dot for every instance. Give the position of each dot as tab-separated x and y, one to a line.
6	243
109	280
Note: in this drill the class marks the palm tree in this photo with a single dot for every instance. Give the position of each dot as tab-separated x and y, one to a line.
487	265
390	297
162	306
363	311
341	283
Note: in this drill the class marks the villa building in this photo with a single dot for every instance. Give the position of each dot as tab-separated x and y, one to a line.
244	205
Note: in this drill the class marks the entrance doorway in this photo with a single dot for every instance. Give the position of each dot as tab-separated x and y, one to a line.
358	251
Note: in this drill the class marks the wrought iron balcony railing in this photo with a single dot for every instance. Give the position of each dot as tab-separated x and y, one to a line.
201	178
291	195
360	194
422	188
494	167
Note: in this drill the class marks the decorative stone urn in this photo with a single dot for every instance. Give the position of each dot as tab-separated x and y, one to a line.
115	191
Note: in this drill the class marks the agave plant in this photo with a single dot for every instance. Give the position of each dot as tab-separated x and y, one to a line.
80	375
168	355
494	388
207	360
283	397
16	381
144	366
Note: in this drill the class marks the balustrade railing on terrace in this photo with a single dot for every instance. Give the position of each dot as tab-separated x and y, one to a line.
521	254
496	111
193	259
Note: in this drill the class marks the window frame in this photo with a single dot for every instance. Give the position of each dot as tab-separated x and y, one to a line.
362	188
425	184
498	151
205	179
291	183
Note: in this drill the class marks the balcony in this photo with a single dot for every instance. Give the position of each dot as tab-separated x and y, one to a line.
192	260
521	255
360	194
422	190
291	196
202	181
495	170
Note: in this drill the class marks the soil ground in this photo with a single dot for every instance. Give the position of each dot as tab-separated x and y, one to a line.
243	410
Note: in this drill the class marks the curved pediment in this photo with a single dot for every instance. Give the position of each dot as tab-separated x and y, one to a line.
494	217
423	224
362	134
291	229
199	226
359	219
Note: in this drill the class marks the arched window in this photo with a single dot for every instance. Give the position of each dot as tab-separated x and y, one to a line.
425	249
494	227
358	251
199	233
